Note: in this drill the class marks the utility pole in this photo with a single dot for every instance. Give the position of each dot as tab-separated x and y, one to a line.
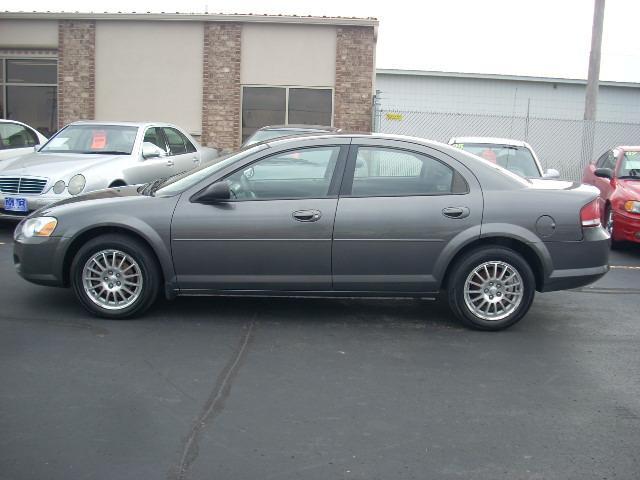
591	98
591	95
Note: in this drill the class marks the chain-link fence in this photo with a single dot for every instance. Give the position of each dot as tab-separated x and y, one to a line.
566	145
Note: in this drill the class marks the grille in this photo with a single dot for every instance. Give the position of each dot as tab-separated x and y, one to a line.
26	185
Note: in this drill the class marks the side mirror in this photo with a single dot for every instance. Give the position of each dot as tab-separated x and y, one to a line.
551	173
603	173
151	150
217	192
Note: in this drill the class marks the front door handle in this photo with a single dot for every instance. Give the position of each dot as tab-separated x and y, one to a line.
456	212
196	159
170	163
307	215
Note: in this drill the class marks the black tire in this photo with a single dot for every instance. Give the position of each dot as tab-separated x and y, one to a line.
615	245
141	254
470	261
117	183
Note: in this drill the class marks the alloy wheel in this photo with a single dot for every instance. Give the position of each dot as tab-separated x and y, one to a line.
112	279
493	290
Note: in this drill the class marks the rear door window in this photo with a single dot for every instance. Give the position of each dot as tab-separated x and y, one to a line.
381	171
176	142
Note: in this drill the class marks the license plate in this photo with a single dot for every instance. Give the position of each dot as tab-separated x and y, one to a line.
14	204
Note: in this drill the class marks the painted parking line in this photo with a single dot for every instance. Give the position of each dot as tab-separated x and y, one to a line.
624	267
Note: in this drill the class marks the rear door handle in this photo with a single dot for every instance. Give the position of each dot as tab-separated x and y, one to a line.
170	163
456	212
307	215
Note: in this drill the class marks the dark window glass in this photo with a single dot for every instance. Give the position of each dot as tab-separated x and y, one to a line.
302	174
35	106
381	172
262	106
310	106
154	135
611	161
13	135
175	141
190	146
32	71
602	160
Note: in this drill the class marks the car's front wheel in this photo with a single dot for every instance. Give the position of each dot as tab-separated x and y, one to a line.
115	276
491	288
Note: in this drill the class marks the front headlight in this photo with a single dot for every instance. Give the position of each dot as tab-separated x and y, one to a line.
59	187
39	227
632	206
76	184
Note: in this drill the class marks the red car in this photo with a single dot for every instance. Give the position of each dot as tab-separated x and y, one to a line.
617	175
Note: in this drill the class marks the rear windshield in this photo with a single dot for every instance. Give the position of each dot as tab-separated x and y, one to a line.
518	160
630	165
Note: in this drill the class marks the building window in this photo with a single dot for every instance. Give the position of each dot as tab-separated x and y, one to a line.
262	106
29	92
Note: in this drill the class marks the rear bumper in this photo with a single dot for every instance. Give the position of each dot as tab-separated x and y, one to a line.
626	227
577	264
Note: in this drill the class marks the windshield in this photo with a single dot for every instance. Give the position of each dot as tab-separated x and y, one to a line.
630	165
181	182
93	139
518	160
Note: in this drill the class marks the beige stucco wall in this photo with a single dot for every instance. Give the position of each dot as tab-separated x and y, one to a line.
150	71
28	33
302	55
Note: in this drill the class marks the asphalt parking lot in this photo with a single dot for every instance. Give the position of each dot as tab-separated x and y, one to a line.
206	388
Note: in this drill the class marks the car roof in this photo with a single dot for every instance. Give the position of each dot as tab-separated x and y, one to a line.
354	135
122	124
489	140
301	128
629	148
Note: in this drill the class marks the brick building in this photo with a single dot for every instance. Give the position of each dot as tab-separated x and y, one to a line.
218	76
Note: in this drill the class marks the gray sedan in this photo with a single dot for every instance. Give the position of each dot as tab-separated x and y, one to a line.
88	156
333	215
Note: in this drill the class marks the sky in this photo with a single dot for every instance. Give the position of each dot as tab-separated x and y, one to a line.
549	38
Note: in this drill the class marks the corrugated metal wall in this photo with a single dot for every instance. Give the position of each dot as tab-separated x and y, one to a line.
503	97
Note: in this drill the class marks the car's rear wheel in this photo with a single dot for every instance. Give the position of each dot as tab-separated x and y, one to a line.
115	276
491	288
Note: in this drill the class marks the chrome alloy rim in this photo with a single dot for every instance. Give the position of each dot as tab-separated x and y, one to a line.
610	222
112	279
493	290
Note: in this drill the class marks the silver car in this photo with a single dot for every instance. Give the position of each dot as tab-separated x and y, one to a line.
87	156
514	155
17	138
325	215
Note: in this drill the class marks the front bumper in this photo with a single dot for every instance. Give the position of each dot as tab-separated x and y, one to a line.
40	260
577	264
34	202
626	227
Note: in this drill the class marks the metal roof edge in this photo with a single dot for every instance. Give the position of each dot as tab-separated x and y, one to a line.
194	17
494	76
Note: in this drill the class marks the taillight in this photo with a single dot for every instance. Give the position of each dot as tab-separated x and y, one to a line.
590	214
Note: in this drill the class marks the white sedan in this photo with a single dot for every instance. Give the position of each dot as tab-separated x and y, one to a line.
89	155
17	138
514	155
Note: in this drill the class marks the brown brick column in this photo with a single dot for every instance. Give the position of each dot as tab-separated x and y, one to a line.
221	86
354	78
76	70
